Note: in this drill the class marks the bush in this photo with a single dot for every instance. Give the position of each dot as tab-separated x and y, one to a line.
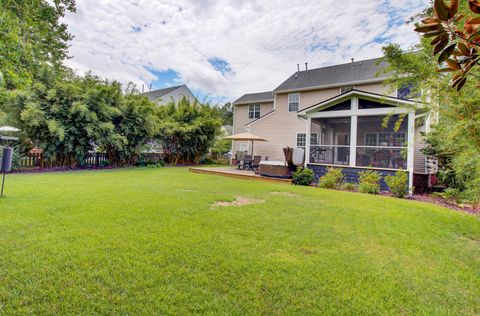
333	179
452	195
369	182
303	176
348	186
398	183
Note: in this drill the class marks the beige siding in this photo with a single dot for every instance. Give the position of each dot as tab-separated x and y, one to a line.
419	157
281	127
241	118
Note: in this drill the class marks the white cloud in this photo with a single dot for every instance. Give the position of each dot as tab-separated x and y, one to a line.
261	40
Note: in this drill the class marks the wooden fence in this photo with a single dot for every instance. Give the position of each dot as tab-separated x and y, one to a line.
91	160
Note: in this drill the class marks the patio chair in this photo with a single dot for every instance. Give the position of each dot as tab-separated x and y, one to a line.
240	156
256	163
247	162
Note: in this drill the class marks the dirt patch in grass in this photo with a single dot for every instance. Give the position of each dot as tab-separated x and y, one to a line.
239	201
287	194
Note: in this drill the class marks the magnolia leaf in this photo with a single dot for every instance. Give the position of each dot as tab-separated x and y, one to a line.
446	53
474	6
434	33
453	64
474	36
469	65
428	28
438	39
473	21
440	46
457	53
430	20
464	49
459	17
461	83
453	8
456	80
441	10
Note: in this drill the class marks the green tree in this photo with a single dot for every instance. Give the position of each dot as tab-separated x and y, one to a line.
455	137
67	116
31	35
187	130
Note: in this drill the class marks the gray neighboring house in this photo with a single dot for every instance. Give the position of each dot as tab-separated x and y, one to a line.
166	95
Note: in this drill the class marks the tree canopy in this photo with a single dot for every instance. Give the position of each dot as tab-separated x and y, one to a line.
187	130
455	136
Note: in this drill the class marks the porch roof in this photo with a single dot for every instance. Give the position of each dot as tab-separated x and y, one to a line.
352	93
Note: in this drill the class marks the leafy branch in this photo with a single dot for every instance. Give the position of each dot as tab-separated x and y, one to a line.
457	45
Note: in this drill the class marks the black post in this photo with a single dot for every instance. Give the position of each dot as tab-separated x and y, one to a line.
3	182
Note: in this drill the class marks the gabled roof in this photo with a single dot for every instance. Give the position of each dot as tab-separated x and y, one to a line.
364	71
155	94
351	93
248	98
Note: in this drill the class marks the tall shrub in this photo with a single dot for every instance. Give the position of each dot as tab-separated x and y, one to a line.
187	130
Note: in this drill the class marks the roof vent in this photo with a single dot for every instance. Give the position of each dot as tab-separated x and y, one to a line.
306	66
298	70
353	62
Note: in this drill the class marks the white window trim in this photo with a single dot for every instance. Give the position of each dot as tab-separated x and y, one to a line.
254	105
296	140
288	101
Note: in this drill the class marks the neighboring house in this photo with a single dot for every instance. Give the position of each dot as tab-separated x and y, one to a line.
336	113
166	95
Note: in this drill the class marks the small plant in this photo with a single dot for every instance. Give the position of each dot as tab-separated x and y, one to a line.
398	183
452	195
369	182
333	179
349	186
303	176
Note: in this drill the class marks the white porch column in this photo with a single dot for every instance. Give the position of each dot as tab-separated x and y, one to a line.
353	140
307	145
411	147
353	134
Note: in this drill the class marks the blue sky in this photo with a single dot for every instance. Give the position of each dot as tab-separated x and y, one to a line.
223	49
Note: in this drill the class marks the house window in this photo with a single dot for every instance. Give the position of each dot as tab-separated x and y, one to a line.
254	111
293	102
313	138
301	140
371	139
346	89
406	92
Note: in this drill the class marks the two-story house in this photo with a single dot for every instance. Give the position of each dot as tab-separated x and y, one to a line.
342	115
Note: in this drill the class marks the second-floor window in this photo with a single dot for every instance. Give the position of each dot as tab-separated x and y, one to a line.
293	102
254	111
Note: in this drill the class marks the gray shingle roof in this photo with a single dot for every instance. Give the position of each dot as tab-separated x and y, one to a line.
255	97
155	94
363	70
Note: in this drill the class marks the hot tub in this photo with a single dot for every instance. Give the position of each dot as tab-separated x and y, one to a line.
276	169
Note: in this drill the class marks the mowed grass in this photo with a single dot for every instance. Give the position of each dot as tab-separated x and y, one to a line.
149	241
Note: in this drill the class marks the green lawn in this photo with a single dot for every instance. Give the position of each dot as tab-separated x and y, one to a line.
148	241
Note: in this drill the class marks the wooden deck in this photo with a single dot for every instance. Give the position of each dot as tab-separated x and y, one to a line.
237	173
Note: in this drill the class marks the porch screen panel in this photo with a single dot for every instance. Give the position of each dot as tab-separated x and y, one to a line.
333	141
380	144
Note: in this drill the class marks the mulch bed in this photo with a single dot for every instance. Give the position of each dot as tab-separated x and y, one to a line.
467	208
